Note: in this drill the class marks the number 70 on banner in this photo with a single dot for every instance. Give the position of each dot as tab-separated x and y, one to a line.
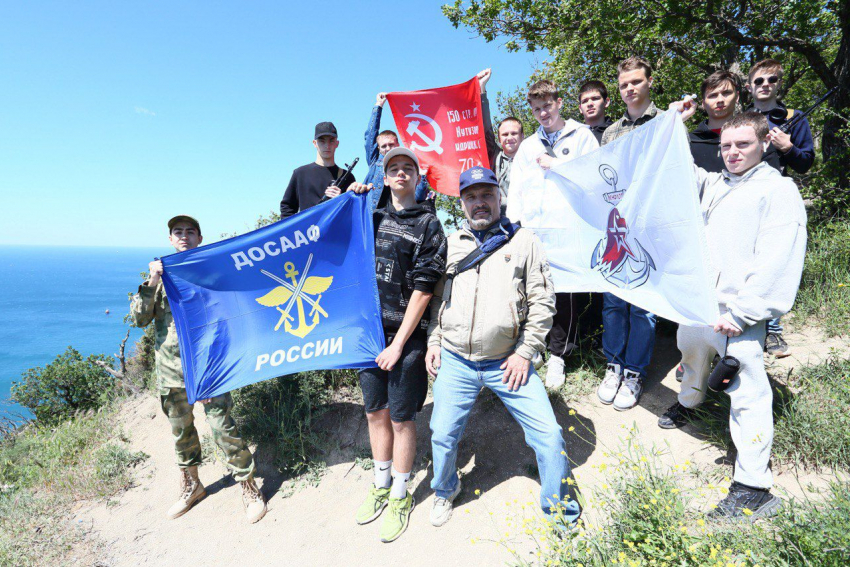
467	163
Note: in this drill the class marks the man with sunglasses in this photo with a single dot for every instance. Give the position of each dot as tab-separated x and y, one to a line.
794	149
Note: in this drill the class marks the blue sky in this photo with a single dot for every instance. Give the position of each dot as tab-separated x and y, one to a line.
116	115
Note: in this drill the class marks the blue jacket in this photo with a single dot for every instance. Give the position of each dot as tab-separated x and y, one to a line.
799	158
375	175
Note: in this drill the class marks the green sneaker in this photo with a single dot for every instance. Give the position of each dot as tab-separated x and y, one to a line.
373	505
396	520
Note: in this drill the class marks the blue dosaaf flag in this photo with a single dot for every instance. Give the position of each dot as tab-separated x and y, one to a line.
293	296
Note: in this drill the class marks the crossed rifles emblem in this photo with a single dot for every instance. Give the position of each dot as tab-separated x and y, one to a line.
298	291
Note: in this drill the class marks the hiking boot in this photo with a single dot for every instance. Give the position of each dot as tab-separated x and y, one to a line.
374	504
555	372
397	518
744	503
252	498
628	394
610	384
680	372
191	491
676	415
775	345
442	510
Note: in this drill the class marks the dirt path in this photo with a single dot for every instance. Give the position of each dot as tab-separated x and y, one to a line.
315	526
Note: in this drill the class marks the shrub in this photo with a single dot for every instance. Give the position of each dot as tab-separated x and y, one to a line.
825	286
67	385
651	514
279	414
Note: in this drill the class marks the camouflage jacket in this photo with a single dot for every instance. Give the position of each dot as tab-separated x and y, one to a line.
151	304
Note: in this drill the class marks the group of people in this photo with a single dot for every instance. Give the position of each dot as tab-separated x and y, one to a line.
478	308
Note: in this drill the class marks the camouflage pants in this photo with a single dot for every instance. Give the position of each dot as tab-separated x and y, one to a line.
187	445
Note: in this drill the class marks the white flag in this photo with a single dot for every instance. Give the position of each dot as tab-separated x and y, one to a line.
626	219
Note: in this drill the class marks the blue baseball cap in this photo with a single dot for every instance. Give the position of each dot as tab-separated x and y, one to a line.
477	176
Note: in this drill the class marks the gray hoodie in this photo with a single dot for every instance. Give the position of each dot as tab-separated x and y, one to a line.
755	225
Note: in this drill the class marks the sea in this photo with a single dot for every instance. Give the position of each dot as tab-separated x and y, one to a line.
60	296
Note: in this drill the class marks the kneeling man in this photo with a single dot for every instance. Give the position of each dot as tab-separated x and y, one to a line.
497	307
755	224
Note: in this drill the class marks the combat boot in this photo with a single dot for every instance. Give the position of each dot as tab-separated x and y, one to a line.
191	491
252	498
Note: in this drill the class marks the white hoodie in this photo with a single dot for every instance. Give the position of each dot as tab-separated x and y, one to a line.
755	225
527	176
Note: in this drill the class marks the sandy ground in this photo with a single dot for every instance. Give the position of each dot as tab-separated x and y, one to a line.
314	525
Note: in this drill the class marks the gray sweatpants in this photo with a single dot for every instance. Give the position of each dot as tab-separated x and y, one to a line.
751	419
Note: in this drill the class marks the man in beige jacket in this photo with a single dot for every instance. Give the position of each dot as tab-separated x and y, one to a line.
497	307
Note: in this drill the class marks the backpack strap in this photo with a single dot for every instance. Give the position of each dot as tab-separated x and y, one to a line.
481	253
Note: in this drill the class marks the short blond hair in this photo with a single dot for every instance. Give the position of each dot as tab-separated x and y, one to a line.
765	65
634	63
756	120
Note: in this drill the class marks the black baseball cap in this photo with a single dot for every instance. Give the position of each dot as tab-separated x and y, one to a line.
325	129
477	176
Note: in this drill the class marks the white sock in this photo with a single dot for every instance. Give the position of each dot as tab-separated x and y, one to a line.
399	488
382	473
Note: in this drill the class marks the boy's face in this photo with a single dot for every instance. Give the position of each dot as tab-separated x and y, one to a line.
592	106
386	143
764	86
401	174
741	149
719	102
634	87
481	205
510	136
326	146
184	236
546	110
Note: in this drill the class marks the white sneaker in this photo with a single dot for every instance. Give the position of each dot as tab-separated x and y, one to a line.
629	392
608	388
442	510
555	372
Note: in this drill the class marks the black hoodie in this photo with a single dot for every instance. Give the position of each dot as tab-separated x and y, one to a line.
410	254
705	147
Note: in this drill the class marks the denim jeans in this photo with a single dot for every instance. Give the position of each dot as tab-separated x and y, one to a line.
774	326
628	334
455	390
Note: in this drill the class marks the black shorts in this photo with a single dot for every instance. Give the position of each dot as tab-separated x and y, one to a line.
404	388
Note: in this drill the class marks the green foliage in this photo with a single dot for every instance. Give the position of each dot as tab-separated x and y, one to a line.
279	414
67	385
685	41
811	418
651	514
825	287
43	470
813	423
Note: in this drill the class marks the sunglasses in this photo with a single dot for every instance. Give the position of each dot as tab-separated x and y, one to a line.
773	79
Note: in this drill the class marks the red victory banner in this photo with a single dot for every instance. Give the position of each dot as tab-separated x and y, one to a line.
445	130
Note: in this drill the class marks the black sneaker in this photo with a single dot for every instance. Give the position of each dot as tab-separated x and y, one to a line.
676	415
775	345
680	372
744	503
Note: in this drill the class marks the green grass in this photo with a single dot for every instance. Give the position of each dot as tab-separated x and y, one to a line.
824	296
654	514
279	415
44	470
811	418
